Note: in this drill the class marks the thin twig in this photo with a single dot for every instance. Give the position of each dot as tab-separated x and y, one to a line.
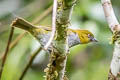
33	56
6	51
53	25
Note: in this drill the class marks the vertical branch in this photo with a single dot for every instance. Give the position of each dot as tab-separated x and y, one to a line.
115	28
6	51
56	67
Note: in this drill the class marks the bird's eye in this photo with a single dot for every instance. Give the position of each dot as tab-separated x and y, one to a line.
89	35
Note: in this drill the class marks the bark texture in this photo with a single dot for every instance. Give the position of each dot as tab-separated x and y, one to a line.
115	28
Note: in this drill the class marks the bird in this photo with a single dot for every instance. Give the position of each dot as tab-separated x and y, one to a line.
42	33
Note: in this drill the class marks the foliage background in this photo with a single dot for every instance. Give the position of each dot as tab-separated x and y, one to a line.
85	61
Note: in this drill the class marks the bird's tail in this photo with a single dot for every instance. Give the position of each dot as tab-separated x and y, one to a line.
22	24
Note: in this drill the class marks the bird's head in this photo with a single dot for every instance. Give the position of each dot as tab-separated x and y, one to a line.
85	36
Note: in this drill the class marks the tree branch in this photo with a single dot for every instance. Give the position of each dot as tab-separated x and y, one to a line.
115	28
6	51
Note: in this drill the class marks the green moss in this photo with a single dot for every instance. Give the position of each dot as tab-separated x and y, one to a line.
61	31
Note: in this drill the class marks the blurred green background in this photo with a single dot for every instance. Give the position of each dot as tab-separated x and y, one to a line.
85	62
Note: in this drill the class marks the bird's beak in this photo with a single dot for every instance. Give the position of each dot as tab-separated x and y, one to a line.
94	40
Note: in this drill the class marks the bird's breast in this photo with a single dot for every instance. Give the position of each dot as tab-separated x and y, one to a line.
73	39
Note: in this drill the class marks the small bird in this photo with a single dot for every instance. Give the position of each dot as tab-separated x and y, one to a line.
42	34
